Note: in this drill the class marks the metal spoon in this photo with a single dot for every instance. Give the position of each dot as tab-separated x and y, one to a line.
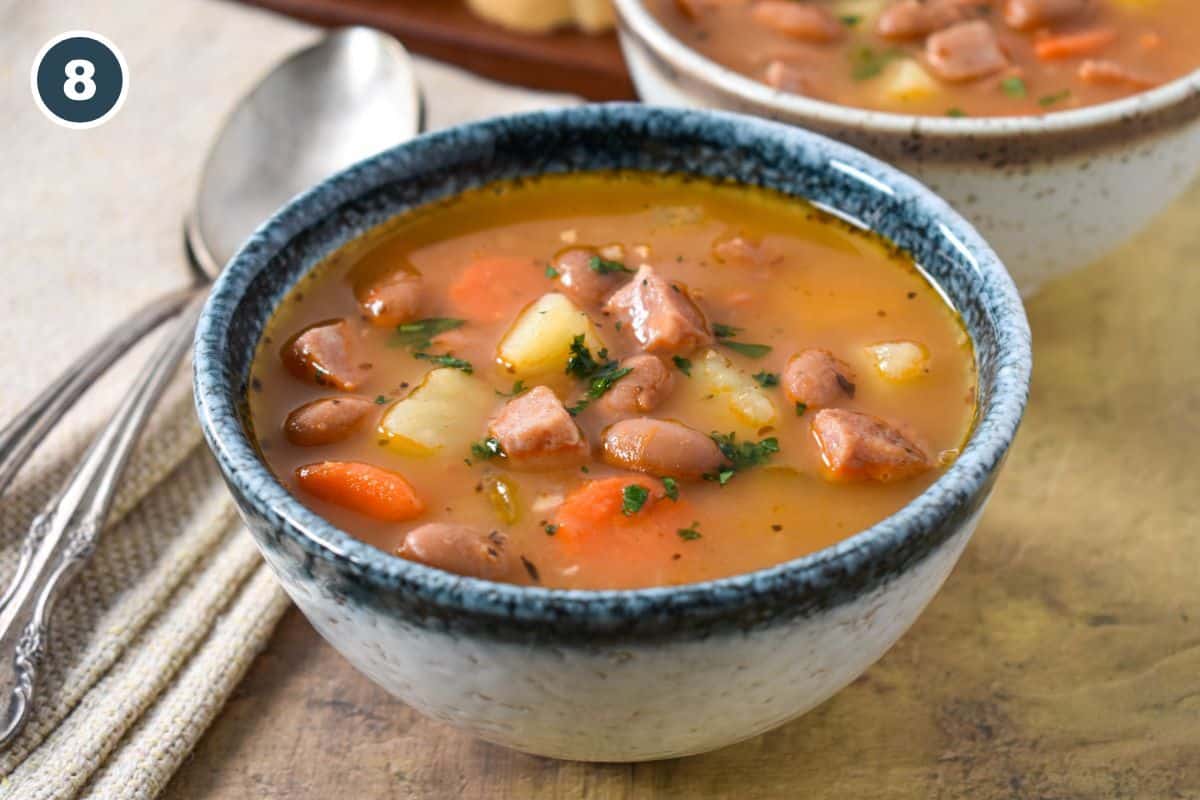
349	96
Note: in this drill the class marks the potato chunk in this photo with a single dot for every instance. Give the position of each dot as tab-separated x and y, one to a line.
539	341
746	399
441	414
900	361
905	81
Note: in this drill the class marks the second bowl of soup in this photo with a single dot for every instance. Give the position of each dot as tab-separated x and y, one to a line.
529	414
1059	127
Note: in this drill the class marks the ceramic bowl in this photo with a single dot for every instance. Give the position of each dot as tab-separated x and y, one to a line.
614	675
1051	193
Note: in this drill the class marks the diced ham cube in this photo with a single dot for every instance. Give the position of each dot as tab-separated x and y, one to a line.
1026	15
326	354
857	446
817	379
660	314
965	51
536	432
642	390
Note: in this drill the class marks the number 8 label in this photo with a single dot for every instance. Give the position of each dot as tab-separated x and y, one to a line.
79	85
79	79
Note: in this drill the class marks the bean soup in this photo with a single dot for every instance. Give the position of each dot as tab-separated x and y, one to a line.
946	57
611	380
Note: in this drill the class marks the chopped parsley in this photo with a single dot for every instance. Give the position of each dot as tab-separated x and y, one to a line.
550	528
955	112
684	365
671	487
446	360
487	448
1053	99
725	334
551	273
380	399
1013	87
517	388
419	335
850	20
741	455
801	408
866	63
633	497
600	374
606	266
689	534
766	379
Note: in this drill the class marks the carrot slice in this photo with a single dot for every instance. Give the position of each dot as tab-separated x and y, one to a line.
1074	45
365	488
495	287
612	548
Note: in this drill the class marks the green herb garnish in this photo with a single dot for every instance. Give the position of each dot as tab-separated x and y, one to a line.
766	379
419	335
633	497
517	388
671	487
380	400
1052	99
867	63
801	408
580	362
551	273
446	360
550	529
741	455
689	534
487	448
1013	87
605	266
600	374
955	112
850	20
725	334
684	365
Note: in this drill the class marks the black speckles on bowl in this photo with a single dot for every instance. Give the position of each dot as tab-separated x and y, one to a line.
376	607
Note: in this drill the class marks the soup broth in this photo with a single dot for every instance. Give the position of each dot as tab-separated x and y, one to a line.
611	381
946	57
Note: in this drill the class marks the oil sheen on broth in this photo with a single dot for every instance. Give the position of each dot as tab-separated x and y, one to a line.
946	57
611	381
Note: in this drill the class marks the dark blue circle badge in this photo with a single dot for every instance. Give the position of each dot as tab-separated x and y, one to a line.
79	79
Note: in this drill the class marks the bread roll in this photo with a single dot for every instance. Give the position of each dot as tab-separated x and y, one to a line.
541	16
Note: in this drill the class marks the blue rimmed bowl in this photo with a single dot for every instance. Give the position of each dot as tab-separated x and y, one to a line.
615	675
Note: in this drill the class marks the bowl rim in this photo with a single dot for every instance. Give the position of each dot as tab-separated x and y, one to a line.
908	531
633	17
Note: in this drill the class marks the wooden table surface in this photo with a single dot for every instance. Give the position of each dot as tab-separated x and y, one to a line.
1061	660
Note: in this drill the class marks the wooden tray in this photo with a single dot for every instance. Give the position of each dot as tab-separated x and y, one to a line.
567	61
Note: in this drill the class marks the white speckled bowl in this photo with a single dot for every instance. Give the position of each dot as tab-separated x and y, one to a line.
1050	193
615	675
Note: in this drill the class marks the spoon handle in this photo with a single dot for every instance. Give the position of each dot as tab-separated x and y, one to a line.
29	427
74	519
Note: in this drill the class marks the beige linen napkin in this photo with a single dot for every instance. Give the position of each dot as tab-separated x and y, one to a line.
153	636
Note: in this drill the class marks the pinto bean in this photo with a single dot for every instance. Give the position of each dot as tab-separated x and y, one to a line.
325	354
392	299
459	549
580	282
1102	72
817	379
1025	15
912	19
810	22
325	421
536	432
857	446
642	390
661	314
662	448
965	51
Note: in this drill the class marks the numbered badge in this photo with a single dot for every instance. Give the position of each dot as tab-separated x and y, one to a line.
79	79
